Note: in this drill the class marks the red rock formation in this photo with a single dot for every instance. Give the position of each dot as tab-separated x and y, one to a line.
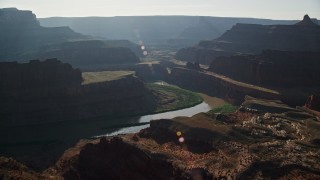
255	142
313	102
216	86
21	34
116	159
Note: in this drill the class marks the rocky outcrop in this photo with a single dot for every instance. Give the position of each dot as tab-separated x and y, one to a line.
36	79
272	68
16	18
249	146
116	158
307	22
21	34
11	169
88	53
313	102
263	139
216	85
51	91
254	38
234	91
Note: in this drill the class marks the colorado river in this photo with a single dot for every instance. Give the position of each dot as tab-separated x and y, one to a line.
205	106
45	143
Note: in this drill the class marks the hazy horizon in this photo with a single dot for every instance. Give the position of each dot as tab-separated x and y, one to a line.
271	9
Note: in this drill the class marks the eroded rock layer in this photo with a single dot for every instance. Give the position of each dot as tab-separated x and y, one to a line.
51	91
253	39
264	139
272	68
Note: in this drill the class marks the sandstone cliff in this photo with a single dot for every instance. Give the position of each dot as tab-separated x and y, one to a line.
234	90
254	38
272	68
50	91
37	79
263	139
21	34
88	53
215	85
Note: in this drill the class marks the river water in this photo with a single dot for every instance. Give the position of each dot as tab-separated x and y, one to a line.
41	145
205	106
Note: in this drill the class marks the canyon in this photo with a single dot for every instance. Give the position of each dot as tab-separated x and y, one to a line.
272	68
37	42
253	39
57	92
94	106
262	139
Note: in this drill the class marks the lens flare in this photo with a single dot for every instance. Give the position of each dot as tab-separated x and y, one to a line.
181	139
145	53
142	47
179	133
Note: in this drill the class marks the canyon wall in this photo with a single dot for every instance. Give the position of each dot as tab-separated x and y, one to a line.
51	91
254	38
215	86
37	79
272	68
234	91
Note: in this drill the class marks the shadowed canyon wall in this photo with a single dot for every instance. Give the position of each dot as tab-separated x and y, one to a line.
272	68
254	38
51	91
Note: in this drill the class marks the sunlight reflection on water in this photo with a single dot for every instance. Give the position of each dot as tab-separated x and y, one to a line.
203	107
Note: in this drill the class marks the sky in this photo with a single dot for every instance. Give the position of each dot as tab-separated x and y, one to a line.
269	9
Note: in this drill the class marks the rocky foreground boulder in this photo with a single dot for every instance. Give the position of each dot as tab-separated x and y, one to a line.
263	139
21	34
37	79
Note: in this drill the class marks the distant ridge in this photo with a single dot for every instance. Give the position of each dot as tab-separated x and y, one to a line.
21	34
306	21
181	31
254	38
